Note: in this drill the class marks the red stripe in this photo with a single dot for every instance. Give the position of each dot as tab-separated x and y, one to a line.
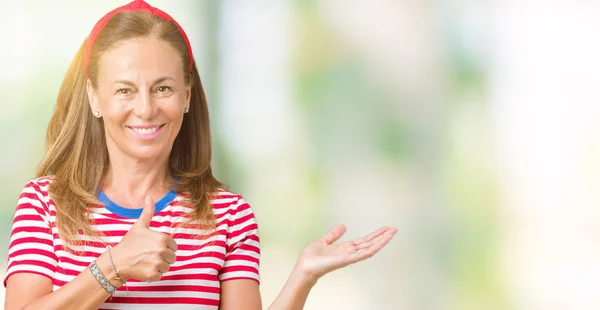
238	268
231	212
156	287
33	251
191	276
243	230
30	217
195	266
242	257
31	229
165	300
181	258
247	247
30	240
241	278
30	262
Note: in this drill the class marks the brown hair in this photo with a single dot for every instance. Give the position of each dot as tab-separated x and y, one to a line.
76	153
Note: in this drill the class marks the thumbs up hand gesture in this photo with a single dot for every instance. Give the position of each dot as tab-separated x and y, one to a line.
144	254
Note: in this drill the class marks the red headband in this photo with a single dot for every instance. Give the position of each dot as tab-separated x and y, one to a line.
137	5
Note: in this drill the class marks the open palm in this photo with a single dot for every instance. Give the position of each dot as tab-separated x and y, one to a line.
323	256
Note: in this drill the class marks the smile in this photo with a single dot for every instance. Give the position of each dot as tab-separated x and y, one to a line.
147	132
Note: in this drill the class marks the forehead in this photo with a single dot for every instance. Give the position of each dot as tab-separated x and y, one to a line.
140	58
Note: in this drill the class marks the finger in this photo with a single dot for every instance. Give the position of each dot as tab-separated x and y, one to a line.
147	213
163	267
367	241
171	244
168	256
370	236
375	246
334	234
153	276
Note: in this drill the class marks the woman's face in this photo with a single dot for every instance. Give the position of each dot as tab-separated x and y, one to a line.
141	96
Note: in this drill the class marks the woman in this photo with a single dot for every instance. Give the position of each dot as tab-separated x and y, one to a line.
125	211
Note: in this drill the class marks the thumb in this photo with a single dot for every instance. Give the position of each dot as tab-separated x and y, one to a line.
334	234
147	213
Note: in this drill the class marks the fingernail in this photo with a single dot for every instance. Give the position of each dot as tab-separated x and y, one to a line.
148	200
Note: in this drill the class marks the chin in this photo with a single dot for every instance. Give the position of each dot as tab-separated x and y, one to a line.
146	152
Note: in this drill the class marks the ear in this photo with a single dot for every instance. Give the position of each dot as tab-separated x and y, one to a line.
92	97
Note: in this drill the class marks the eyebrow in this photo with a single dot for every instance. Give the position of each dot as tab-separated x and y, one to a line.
159	80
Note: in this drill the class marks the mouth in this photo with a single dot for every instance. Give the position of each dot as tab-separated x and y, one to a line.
147	132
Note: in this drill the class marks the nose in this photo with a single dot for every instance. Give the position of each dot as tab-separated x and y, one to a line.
145	107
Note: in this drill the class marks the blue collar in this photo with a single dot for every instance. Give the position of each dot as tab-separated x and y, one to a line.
136	212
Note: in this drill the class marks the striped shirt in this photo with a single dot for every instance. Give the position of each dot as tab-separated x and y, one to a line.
204	258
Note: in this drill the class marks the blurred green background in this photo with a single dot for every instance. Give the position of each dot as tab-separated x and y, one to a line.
471	126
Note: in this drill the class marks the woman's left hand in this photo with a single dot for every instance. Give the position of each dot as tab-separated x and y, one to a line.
323	256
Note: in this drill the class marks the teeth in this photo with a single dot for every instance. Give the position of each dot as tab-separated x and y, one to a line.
145	130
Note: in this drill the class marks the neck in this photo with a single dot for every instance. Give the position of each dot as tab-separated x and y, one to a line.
127	180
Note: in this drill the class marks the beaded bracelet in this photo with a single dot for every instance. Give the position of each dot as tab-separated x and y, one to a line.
102	279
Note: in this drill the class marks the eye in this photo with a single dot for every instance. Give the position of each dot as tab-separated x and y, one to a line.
163	89
123	91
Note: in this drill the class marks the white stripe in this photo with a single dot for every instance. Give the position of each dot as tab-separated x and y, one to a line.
235	274
209	271
167	294
181	208
199	260
27	211
69	266
28	224
82	259
25	234
239	251
208	283
34	257
31	268
63	277
157	307
224	201
29	246
34	202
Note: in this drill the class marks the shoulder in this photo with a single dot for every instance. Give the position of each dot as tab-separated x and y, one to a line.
224	197
34	198
38	187
225	202
40	184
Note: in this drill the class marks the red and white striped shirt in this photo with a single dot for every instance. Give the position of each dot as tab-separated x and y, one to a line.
193	281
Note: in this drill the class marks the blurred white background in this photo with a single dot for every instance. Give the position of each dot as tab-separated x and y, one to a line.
472	126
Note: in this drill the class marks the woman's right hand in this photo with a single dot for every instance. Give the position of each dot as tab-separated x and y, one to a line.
144	254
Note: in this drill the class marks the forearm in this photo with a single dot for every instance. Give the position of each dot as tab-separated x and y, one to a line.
294	293
83	292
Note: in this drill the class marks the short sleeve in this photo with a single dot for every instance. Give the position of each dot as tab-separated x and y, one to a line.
31	247
243	247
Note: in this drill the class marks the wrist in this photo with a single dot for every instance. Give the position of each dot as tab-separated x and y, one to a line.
105	266
303	277
118	263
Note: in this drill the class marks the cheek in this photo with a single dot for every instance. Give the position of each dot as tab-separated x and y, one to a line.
174	108
113	113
